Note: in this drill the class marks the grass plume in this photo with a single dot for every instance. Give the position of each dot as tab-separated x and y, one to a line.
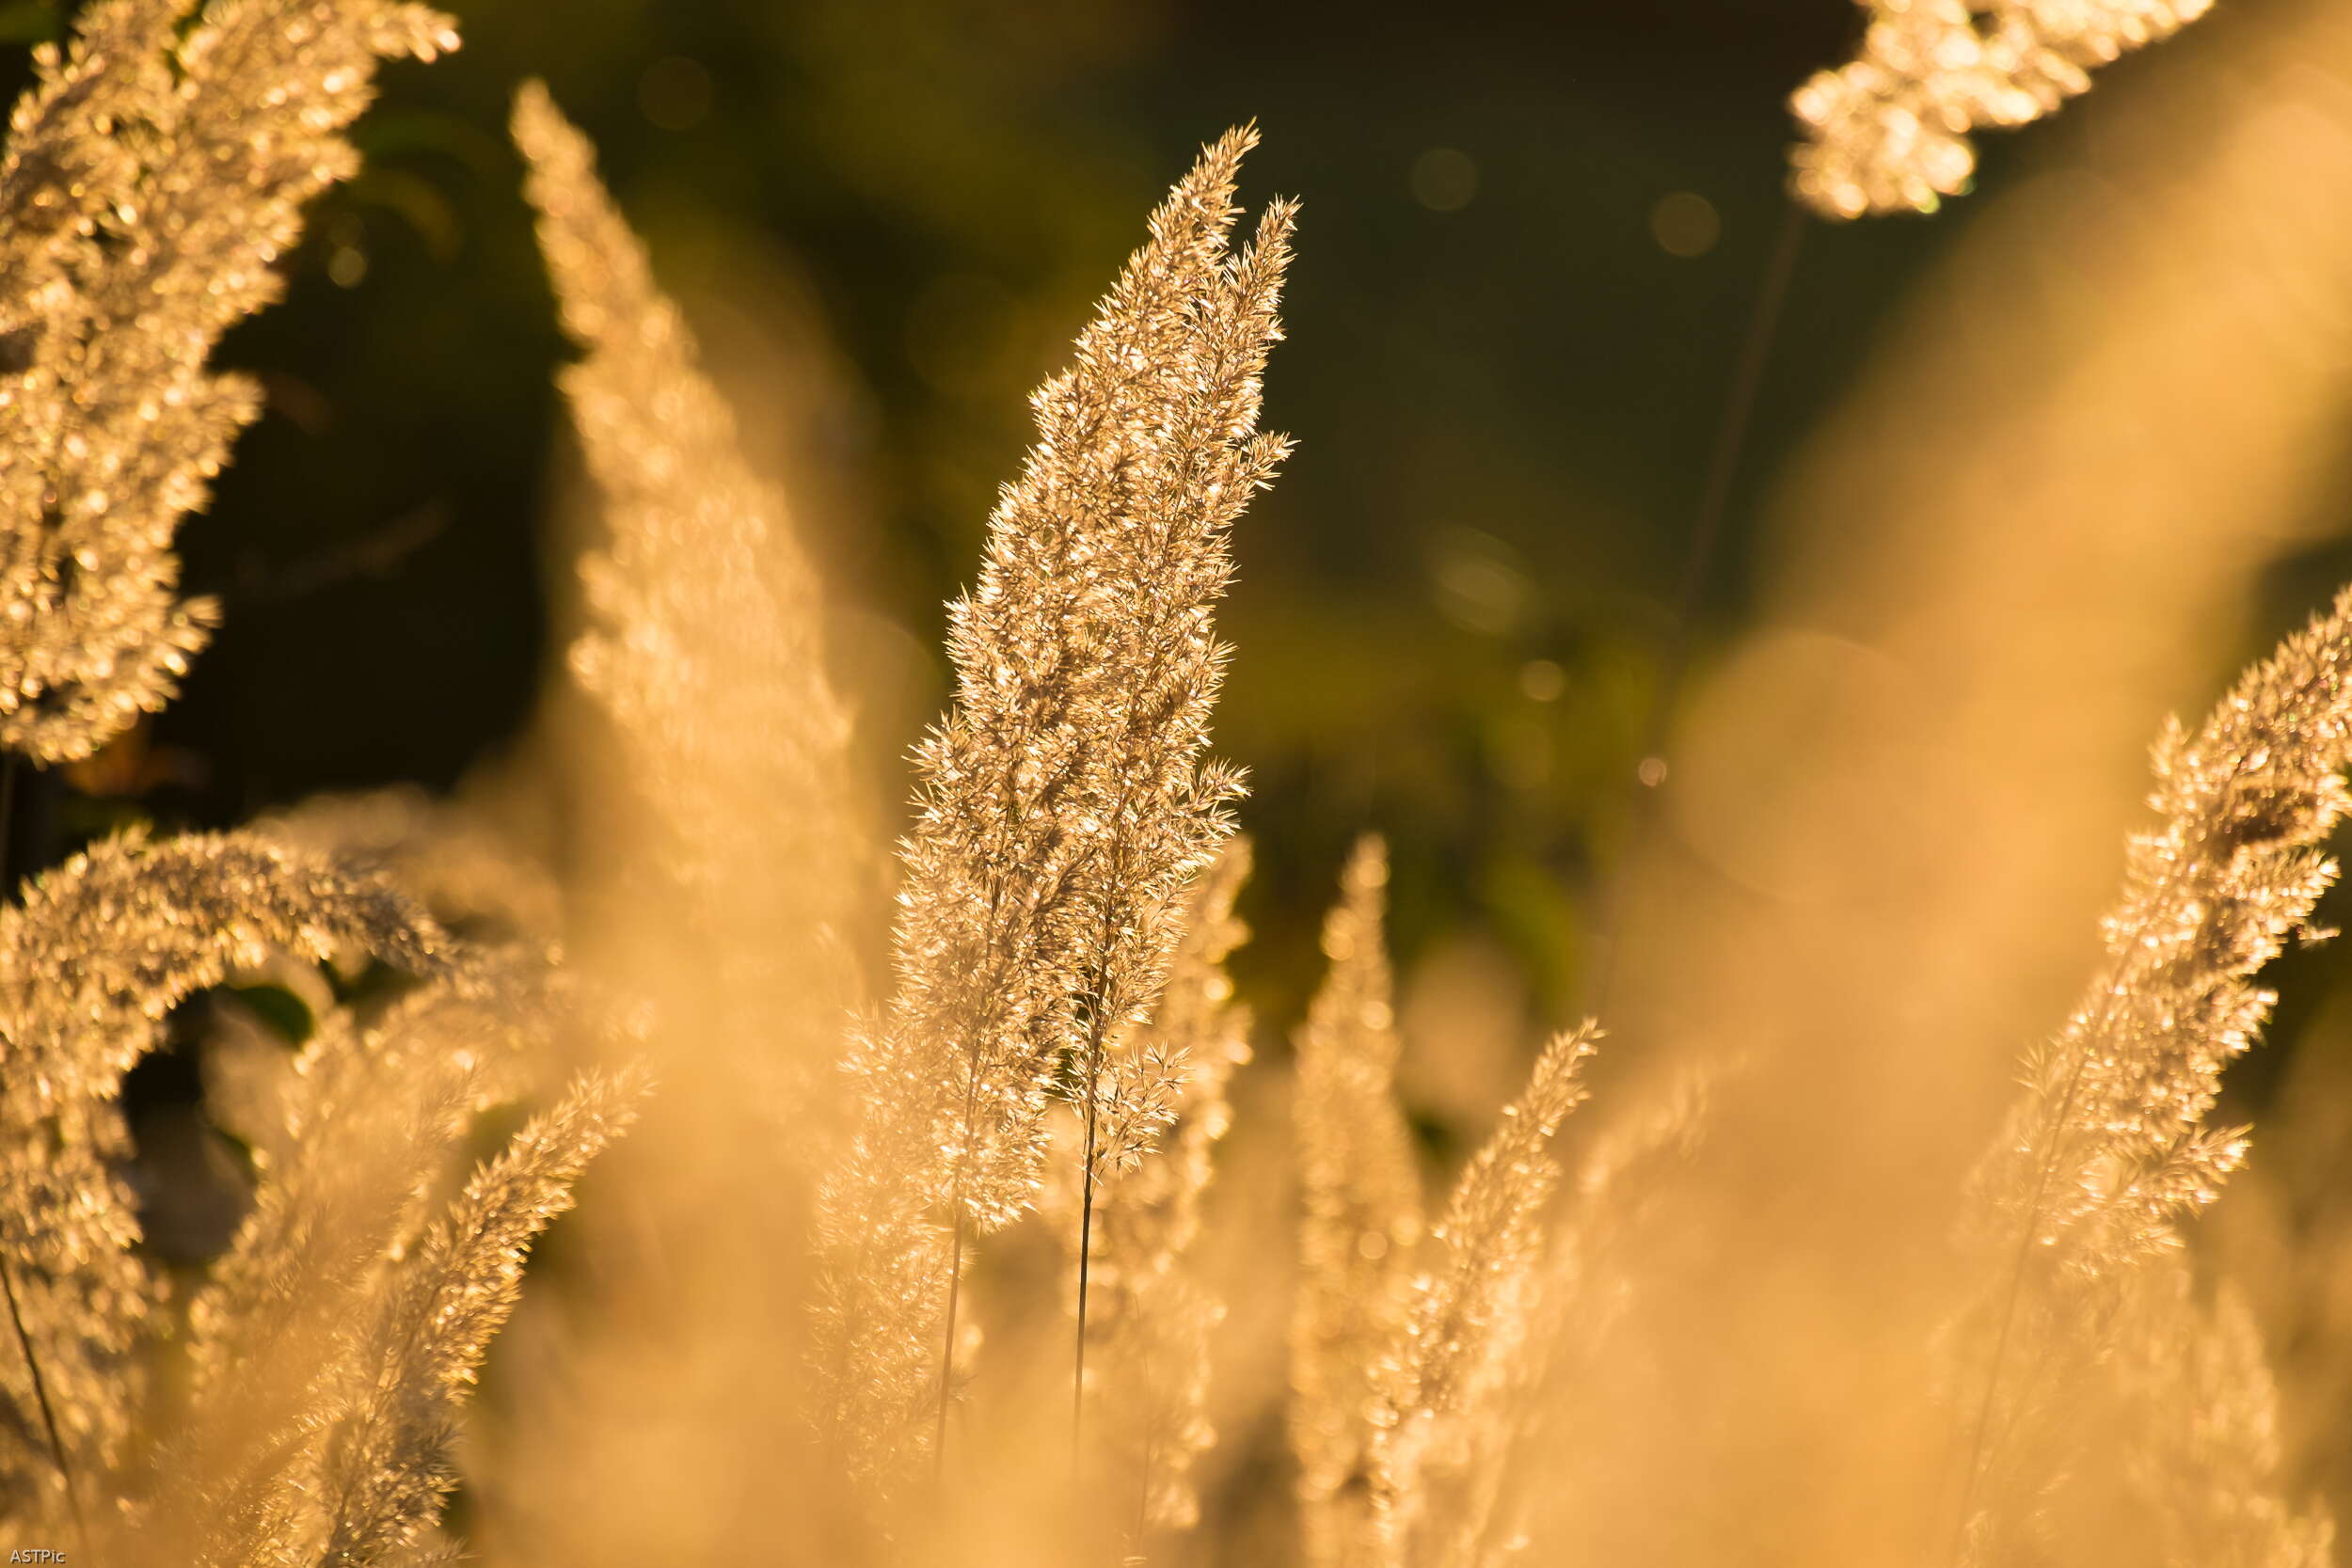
702	601
2110	1148
155	172
1360	1219
1889	130
1447	1387
1062	805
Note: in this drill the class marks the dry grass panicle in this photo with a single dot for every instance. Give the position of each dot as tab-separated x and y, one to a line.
1889	130
1360	1219
154	173
2110	1148
1062	804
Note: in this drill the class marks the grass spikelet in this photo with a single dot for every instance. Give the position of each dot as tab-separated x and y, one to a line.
99	951
154	173
368	1116
383	1466
1889	130
1062	804
1447	1388
1361	1218
722	892
1595	1321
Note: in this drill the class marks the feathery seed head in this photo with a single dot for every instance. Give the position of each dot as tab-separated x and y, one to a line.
91	960
1361	1218
1063	803
1889	130
152	180
2110	1149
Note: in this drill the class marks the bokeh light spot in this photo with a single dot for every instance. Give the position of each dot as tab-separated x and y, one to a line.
1480	582
1444	180
1541	680
1685	224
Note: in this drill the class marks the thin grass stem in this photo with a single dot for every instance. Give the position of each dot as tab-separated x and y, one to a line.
1085	1258
1722	467
40	1392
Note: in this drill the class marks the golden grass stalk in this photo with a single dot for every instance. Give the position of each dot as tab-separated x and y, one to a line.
1889	129
1062	804
325	1354
1148	1385
384	1465
99	951
1407	1385
2110	1148
706	636
355	1142
155	172
1447	1388
1360	1220
720	893
1593	1328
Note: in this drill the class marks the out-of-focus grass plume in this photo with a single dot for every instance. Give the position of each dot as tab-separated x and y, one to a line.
1895	800
1890	129
720	896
